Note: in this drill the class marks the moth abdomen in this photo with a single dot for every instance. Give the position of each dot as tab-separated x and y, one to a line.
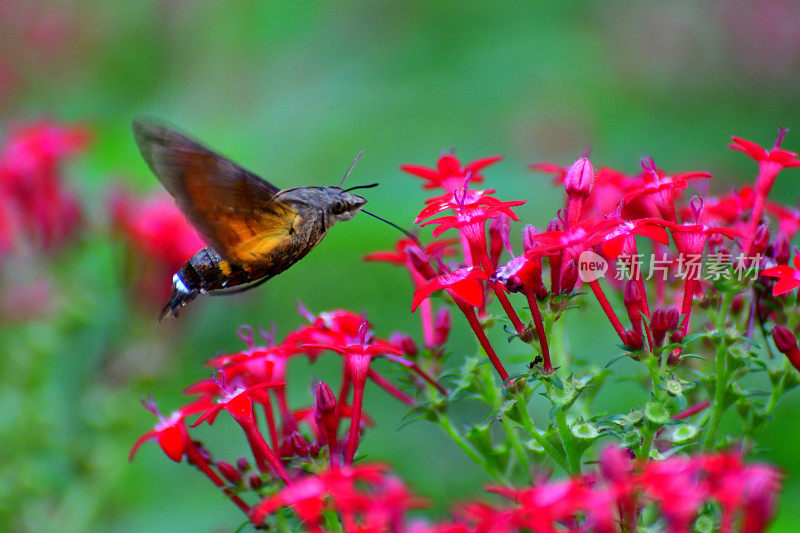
206	271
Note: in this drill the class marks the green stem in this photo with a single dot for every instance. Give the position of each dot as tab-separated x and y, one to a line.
647	443
527	424
569	444
447	424
508	427
721	375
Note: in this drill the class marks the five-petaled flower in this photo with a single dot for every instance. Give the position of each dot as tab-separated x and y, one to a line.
449	174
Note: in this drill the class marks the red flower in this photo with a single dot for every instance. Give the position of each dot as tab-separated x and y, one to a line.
662	188
470	206
770	163
788	277
31	184
310	496
170	432
464	284
357	357
449	174
777	158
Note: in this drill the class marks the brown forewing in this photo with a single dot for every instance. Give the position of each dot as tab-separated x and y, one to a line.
232	208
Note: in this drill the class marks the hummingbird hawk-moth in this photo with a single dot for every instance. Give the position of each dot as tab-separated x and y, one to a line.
254	231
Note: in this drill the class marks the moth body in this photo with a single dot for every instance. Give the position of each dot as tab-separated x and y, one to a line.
254	230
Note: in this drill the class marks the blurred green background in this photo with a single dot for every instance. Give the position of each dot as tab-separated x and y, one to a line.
292	90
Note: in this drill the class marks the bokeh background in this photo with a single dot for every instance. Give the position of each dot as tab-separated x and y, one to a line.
292	90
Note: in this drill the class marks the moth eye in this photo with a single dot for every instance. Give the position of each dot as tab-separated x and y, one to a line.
338	208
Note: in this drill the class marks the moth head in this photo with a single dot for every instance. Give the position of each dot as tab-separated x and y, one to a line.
344	205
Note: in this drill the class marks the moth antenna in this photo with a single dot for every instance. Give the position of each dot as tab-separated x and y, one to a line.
352	165
371	185
392	224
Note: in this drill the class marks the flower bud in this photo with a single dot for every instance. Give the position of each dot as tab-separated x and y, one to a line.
569	277
580	178
659	324
242	464
633	340
405	343
229	472
441	327
633	304
296	445
325	399
420	262
781	249
673	318
255	482
760	241
786	343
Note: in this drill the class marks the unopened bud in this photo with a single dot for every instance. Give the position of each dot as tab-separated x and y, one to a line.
441	327
633	340
760	240
781	249
242	464
659	324
580	178
298	445
633	304
569	277
673	318
255	482
229	472
786	343
405	343
325	399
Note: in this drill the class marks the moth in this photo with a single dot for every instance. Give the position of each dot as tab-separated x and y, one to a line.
254	230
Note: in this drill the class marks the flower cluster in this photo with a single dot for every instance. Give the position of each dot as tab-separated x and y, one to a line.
692	342
301	455
34	202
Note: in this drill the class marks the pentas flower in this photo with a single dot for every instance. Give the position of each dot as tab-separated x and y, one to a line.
170	432
311	495
173	437
449	174
409	254
770	163
690	240
357	357
788	277
725	209
237	400
463	284
662	189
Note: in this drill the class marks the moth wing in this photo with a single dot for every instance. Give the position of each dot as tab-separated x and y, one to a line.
233	209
